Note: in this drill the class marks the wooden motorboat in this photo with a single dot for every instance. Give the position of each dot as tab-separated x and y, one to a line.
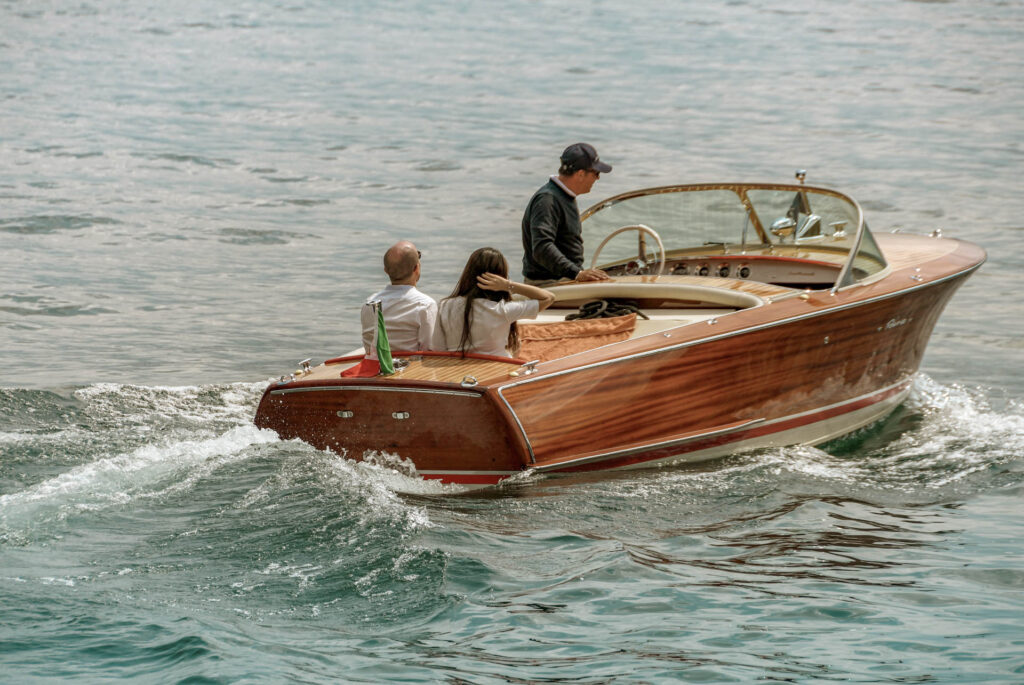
768	315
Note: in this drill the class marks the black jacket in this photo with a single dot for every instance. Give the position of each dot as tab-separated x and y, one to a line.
552	235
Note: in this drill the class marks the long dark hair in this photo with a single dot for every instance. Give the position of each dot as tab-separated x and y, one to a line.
485	260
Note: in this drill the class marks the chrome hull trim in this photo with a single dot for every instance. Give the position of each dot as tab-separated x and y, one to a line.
814	432
903	386
652	446
376	388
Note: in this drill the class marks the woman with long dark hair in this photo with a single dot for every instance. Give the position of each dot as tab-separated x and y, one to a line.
480	315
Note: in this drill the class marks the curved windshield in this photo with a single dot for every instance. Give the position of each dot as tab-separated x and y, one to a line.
797	221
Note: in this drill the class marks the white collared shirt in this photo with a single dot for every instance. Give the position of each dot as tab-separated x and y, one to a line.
409	318
558	182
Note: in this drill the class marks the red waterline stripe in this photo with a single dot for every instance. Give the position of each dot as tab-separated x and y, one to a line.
778	427
697	445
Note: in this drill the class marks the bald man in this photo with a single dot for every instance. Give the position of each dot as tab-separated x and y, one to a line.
409	315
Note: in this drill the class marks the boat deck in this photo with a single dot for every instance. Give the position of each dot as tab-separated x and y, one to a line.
901	251
440	369
904	250
448	369
658	319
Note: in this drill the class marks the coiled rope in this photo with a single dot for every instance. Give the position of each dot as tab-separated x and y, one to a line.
605	309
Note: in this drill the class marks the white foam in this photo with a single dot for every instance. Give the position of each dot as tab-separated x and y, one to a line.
400	475
960	431
123	477
57	438
16	437
526	477
377	485
139	403
380	486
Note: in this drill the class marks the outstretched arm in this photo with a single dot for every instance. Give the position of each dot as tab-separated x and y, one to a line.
489	281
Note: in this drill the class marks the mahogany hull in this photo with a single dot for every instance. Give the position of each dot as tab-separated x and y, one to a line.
800	371
760	386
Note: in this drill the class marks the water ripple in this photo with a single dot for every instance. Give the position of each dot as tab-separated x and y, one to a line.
42	224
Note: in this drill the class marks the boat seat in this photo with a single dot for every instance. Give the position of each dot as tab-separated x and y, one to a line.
554	338
664	319
578	293
657	319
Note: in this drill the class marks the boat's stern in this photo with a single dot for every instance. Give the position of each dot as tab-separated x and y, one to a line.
457	432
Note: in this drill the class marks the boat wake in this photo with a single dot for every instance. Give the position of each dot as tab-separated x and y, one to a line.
159	501
149	471
945	443
108	446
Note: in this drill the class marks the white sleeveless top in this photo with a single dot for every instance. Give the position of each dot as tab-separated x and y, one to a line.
491	321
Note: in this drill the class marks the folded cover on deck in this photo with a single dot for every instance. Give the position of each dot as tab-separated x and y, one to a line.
546	341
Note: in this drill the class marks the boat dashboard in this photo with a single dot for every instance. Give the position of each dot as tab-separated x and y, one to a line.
778	269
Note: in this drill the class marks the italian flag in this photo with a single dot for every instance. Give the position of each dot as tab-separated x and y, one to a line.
380	342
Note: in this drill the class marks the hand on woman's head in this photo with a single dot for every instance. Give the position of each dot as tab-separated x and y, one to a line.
489	281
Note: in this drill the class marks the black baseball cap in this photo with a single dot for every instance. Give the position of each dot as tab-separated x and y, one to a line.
583	156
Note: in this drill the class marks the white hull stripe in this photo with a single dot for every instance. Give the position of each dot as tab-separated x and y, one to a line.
758	424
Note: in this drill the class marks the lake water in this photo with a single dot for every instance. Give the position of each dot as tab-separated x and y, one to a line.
196	195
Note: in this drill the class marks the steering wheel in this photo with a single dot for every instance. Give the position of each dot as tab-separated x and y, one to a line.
641	249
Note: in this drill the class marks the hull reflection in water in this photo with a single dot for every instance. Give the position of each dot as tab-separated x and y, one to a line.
769	315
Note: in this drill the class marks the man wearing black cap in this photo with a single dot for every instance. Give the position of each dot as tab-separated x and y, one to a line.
552	235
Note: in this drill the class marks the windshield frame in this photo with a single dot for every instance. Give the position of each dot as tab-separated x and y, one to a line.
846	276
